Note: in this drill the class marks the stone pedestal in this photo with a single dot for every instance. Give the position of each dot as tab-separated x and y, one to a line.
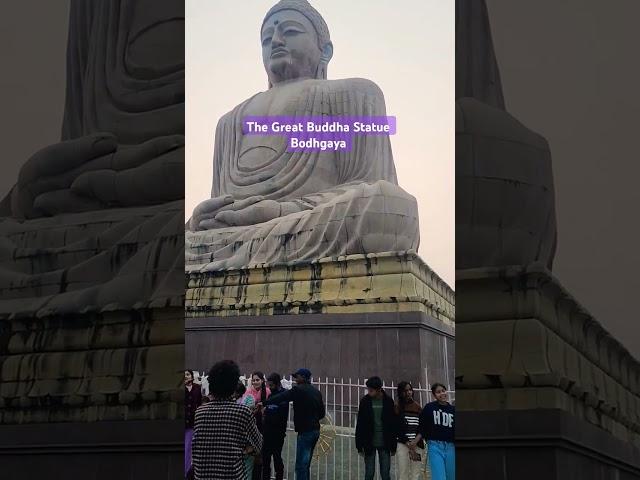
543	391
97	450
91	344
386	314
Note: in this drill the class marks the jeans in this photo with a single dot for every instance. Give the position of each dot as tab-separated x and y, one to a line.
442	460
384	459
248	467
304	452
188	439
272	448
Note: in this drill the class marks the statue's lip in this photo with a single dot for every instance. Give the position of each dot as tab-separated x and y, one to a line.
278	51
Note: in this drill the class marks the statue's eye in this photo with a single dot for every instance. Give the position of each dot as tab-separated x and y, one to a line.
266	40
292	31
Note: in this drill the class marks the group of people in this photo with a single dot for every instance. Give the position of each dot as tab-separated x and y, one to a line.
236	432
404	428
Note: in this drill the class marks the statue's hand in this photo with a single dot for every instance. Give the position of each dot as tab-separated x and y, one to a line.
53	169
94	172
259	212
202	216
145	174
223	211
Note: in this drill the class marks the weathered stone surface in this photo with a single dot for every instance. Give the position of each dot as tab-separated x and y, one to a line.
546	352
539	443
334	345
77	263
90	305
70	336
386	282
505	202
97	450
118	371
344	317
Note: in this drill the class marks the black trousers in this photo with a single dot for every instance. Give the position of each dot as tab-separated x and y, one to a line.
272	448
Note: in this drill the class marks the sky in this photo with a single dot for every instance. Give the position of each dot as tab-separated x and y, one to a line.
411	58
575	82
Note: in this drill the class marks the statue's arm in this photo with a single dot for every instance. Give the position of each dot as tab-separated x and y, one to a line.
370	158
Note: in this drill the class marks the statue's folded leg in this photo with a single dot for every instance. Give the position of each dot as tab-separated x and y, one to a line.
374	218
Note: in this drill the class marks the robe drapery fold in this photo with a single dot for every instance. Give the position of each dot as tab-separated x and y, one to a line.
125	70
352	202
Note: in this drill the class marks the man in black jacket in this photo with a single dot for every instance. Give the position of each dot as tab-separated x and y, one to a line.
308	410
276	417
376	430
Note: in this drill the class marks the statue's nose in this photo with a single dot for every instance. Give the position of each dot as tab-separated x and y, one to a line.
277	40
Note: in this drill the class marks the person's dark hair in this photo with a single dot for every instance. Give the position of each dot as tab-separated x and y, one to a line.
191	372
434	387
374	382
400	400
240	389
223	378
263	389
275	378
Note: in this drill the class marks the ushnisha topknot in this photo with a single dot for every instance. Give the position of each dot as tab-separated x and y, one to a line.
305	8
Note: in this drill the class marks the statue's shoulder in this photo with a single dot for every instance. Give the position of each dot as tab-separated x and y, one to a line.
362	85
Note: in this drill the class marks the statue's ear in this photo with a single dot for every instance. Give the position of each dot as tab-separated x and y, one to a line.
327	52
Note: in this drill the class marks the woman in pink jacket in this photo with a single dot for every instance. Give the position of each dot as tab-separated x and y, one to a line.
260	392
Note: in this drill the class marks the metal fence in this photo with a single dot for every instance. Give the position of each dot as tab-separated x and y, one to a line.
341	460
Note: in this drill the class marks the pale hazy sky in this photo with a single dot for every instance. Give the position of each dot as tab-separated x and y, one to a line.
407	50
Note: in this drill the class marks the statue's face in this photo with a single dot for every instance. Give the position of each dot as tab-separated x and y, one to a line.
289	46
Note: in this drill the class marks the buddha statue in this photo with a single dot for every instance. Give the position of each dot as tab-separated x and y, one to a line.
269	205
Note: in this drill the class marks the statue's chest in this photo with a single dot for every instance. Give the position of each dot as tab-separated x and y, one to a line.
261	155
276	101
259	150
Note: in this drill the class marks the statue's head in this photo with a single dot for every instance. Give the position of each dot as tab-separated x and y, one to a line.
295	42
